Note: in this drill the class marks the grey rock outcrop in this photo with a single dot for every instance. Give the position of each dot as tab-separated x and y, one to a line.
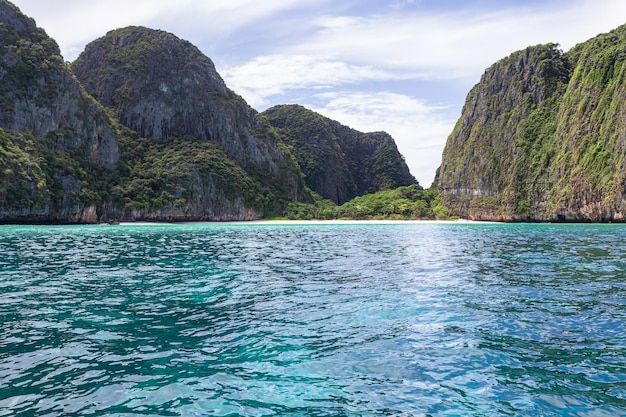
40	95
162	86
339	163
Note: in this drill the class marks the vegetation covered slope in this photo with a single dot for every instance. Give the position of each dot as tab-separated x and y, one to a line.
171	142
165	89
55	140
339	163
542	137
410	202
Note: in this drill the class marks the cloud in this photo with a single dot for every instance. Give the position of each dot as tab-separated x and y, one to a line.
459	43
402	35
419	129
74	23
413	44
267	76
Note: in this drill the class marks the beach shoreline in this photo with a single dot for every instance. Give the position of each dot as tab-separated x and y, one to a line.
350	221
285	222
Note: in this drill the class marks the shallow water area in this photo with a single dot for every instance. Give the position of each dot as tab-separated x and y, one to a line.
313	319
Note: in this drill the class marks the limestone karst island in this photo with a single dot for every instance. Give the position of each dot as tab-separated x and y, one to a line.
142	127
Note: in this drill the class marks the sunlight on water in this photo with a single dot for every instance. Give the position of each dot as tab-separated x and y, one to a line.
313	320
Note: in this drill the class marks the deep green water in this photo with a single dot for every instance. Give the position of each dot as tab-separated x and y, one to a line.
315	320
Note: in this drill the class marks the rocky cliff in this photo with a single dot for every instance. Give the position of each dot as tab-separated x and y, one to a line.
184	146
542	137
40	95
54	137
339	163
142	127
164	88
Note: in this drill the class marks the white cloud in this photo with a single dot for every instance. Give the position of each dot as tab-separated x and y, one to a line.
458	43
266	76
342	50
74	23
339	22
419	129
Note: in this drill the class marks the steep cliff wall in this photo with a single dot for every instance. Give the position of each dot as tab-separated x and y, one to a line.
194	150
339	163
41	96
54	138
162	87
542	137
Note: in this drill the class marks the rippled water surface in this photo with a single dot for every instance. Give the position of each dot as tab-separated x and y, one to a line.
313	320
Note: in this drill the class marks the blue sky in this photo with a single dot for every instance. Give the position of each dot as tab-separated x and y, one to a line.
403	66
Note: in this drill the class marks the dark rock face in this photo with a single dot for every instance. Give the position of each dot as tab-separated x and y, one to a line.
182	146
339	163
40	95
161	86
541	137
54	137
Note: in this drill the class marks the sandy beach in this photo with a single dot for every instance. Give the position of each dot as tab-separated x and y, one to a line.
309	222
361	221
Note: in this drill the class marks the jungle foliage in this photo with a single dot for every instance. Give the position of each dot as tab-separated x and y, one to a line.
339	163
542	137
403	203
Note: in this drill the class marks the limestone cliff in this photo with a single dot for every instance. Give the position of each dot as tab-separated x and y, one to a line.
163	87
542	137
192	149
339	163
53	136
40	95
142	127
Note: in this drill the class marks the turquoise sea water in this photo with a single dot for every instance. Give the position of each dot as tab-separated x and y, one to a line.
313	320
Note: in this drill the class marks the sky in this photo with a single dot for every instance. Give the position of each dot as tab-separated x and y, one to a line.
402	66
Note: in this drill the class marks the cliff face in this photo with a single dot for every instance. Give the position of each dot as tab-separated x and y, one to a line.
193	150
339	163
161	87
144	128
54	137
188	179
40	95
542	137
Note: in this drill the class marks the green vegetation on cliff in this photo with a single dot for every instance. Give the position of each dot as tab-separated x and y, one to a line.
36	57
339	163
142	127
186	175
23	180
541	137
40	95
55	140
41	184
